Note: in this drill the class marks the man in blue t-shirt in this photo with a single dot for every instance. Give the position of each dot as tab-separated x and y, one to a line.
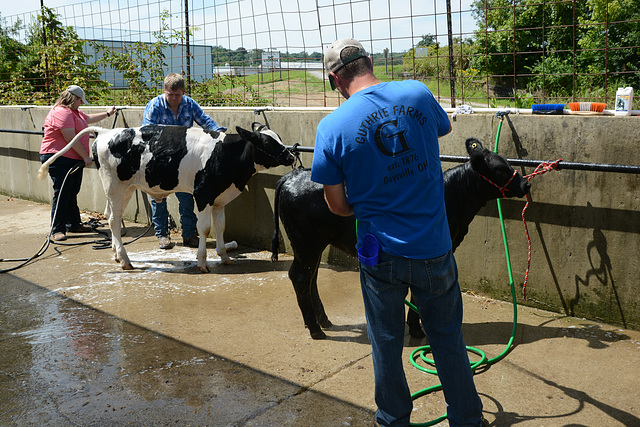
377	156
173	107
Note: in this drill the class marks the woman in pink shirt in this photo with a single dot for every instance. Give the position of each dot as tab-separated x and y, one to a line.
63	122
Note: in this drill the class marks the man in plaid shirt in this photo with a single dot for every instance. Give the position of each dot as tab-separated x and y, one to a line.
173	107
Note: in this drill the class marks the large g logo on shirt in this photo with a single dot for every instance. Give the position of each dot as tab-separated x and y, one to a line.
390	140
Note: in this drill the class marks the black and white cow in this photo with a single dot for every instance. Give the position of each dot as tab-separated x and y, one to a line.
311	226
161	160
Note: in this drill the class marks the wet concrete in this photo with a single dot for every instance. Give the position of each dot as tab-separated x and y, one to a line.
85	343
65	363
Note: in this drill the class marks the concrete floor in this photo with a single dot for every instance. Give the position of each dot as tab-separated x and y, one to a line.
85	343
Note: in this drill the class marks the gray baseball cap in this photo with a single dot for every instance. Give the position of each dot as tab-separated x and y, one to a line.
77	91
332	60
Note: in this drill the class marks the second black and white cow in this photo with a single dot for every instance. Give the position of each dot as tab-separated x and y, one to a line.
310	226
160	160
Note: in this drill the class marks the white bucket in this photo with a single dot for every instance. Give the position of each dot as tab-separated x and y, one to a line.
624	101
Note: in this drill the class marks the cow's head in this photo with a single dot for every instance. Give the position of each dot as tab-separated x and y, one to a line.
496	170
269	151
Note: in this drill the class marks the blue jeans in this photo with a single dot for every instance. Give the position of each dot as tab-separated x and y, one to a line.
64	206
188	219
434	285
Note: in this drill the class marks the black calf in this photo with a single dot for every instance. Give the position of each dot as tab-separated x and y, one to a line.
310	226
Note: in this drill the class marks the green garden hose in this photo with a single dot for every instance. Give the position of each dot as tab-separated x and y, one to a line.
420	352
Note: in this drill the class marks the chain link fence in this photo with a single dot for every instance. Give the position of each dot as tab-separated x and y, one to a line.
487	53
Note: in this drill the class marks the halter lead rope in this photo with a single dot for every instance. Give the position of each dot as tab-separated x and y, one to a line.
542	168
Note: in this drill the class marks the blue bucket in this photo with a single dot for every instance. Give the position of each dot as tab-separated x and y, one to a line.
368	252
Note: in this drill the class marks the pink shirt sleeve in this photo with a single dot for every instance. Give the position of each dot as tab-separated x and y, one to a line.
61	118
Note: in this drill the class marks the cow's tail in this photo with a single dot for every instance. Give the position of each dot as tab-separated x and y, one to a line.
275	239
42	172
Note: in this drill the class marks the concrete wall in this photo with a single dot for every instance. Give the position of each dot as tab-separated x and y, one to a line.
584	226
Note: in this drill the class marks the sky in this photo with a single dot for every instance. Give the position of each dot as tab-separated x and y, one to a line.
13	7
242	23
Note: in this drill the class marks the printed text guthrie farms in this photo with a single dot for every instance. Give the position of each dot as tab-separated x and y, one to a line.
392	142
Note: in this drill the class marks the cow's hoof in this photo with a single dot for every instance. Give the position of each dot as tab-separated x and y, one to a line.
127	267
231	245
316	332
227	261
325	323
318	335
204	268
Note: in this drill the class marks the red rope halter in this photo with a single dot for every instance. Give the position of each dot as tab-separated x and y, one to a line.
503	190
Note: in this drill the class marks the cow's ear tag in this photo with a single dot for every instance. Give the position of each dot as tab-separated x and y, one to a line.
475	145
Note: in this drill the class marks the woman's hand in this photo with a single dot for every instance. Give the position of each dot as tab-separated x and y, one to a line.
96	117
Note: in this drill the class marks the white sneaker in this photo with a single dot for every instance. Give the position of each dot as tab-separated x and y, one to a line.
165	242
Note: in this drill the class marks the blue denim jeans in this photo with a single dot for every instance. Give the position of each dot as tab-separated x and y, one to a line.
65	200
188	219
434	285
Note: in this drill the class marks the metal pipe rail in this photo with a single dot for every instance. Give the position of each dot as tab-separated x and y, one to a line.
598	167
28	132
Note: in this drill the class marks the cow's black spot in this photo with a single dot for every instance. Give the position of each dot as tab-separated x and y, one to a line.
122	146
168	146
214	133
231	163
94	152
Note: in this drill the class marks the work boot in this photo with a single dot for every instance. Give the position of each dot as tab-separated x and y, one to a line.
165	242
59	237
191	242
80	228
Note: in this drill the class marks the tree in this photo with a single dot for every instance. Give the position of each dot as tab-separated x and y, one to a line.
12	88
10	49
36	72
558	48
427	40
611	49
436	64
61	61
510	38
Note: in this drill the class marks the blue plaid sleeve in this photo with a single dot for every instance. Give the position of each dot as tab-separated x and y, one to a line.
203	119
151	113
